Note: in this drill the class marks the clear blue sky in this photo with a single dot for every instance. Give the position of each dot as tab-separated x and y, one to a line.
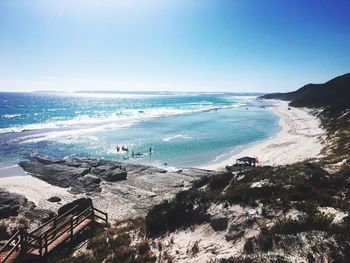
184	45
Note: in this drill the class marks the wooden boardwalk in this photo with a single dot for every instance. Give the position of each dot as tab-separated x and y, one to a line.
11	258
43	240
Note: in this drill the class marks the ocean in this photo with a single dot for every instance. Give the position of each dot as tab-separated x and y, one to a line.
181	129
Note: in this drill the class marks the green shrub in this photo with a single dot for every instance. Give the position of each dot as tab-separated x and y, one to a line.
195	248
242	193
121	240
219	182
143	247
124	255
99	245
186	209
263	242
318	221
201	182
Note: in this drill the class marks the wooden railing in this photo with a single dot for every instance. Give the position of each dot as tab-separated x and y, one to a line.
9	248
55	219
101	215
63	227
54	232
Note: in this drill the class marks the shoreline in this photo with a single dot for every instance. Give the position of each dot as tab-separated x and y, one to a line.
299	139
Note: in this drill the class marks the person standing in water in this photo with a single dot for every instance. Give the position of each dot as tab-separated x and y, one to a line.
150	150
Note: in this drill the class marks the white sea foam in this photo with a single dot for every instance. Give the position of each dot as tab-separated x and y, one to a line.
68	130
178	136
9	116
123	118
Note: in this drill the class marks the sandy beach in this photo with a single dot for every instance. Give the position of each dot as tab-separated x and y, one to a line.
121	200
299	139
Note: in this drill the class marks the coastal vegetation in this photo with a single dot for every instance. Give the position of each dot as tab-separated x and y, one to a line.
292	203
304	188
286	213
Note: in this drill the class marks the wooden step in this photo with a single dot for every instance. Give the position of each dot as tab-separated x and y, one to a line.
11	258
64	237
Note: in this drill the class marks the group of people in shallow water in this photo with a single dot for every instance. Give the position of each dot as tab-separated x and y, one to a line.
122	149
133	154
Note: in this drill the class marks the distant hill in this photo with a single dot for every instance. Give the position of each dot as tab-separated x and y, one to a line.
332	96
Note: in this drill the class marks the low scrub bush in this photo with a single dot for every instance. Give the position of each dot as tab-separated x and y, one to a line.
318	221
99	245
219	182
121	240
186	209
143	247
123	254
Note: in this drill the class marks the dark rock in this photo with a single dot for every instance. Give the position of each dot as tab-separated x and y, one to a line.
83	175
12	204
113	175
99	169
42	215
54	199
153	170
55	174
219	224
90	161
48	160
81	204
87	183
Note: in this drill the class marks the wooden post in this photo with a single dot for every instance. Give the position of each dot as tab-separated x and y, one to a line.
46	248
24	241
54	226
71	229
21	240
93	220
40	246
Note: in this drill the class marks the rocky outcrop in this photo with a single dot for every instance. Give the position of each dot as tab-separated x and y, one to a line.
121	189
54	199
86	183
12	204
40	215
84	175
113	175
81	204
79	174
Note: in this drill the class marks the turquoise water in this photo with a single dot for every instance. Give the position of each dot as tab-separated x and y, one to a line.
183	129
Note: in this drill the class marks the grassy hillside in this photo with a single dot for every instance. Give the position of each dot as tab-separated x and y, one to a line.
331	101
333	97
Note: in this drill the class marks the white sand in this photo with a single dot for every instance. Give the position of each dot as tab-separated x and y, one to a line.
299	139
121	200
34	189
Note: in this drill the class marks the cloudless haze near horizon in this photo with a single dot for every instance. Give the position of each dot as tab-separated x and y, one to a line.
138	45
